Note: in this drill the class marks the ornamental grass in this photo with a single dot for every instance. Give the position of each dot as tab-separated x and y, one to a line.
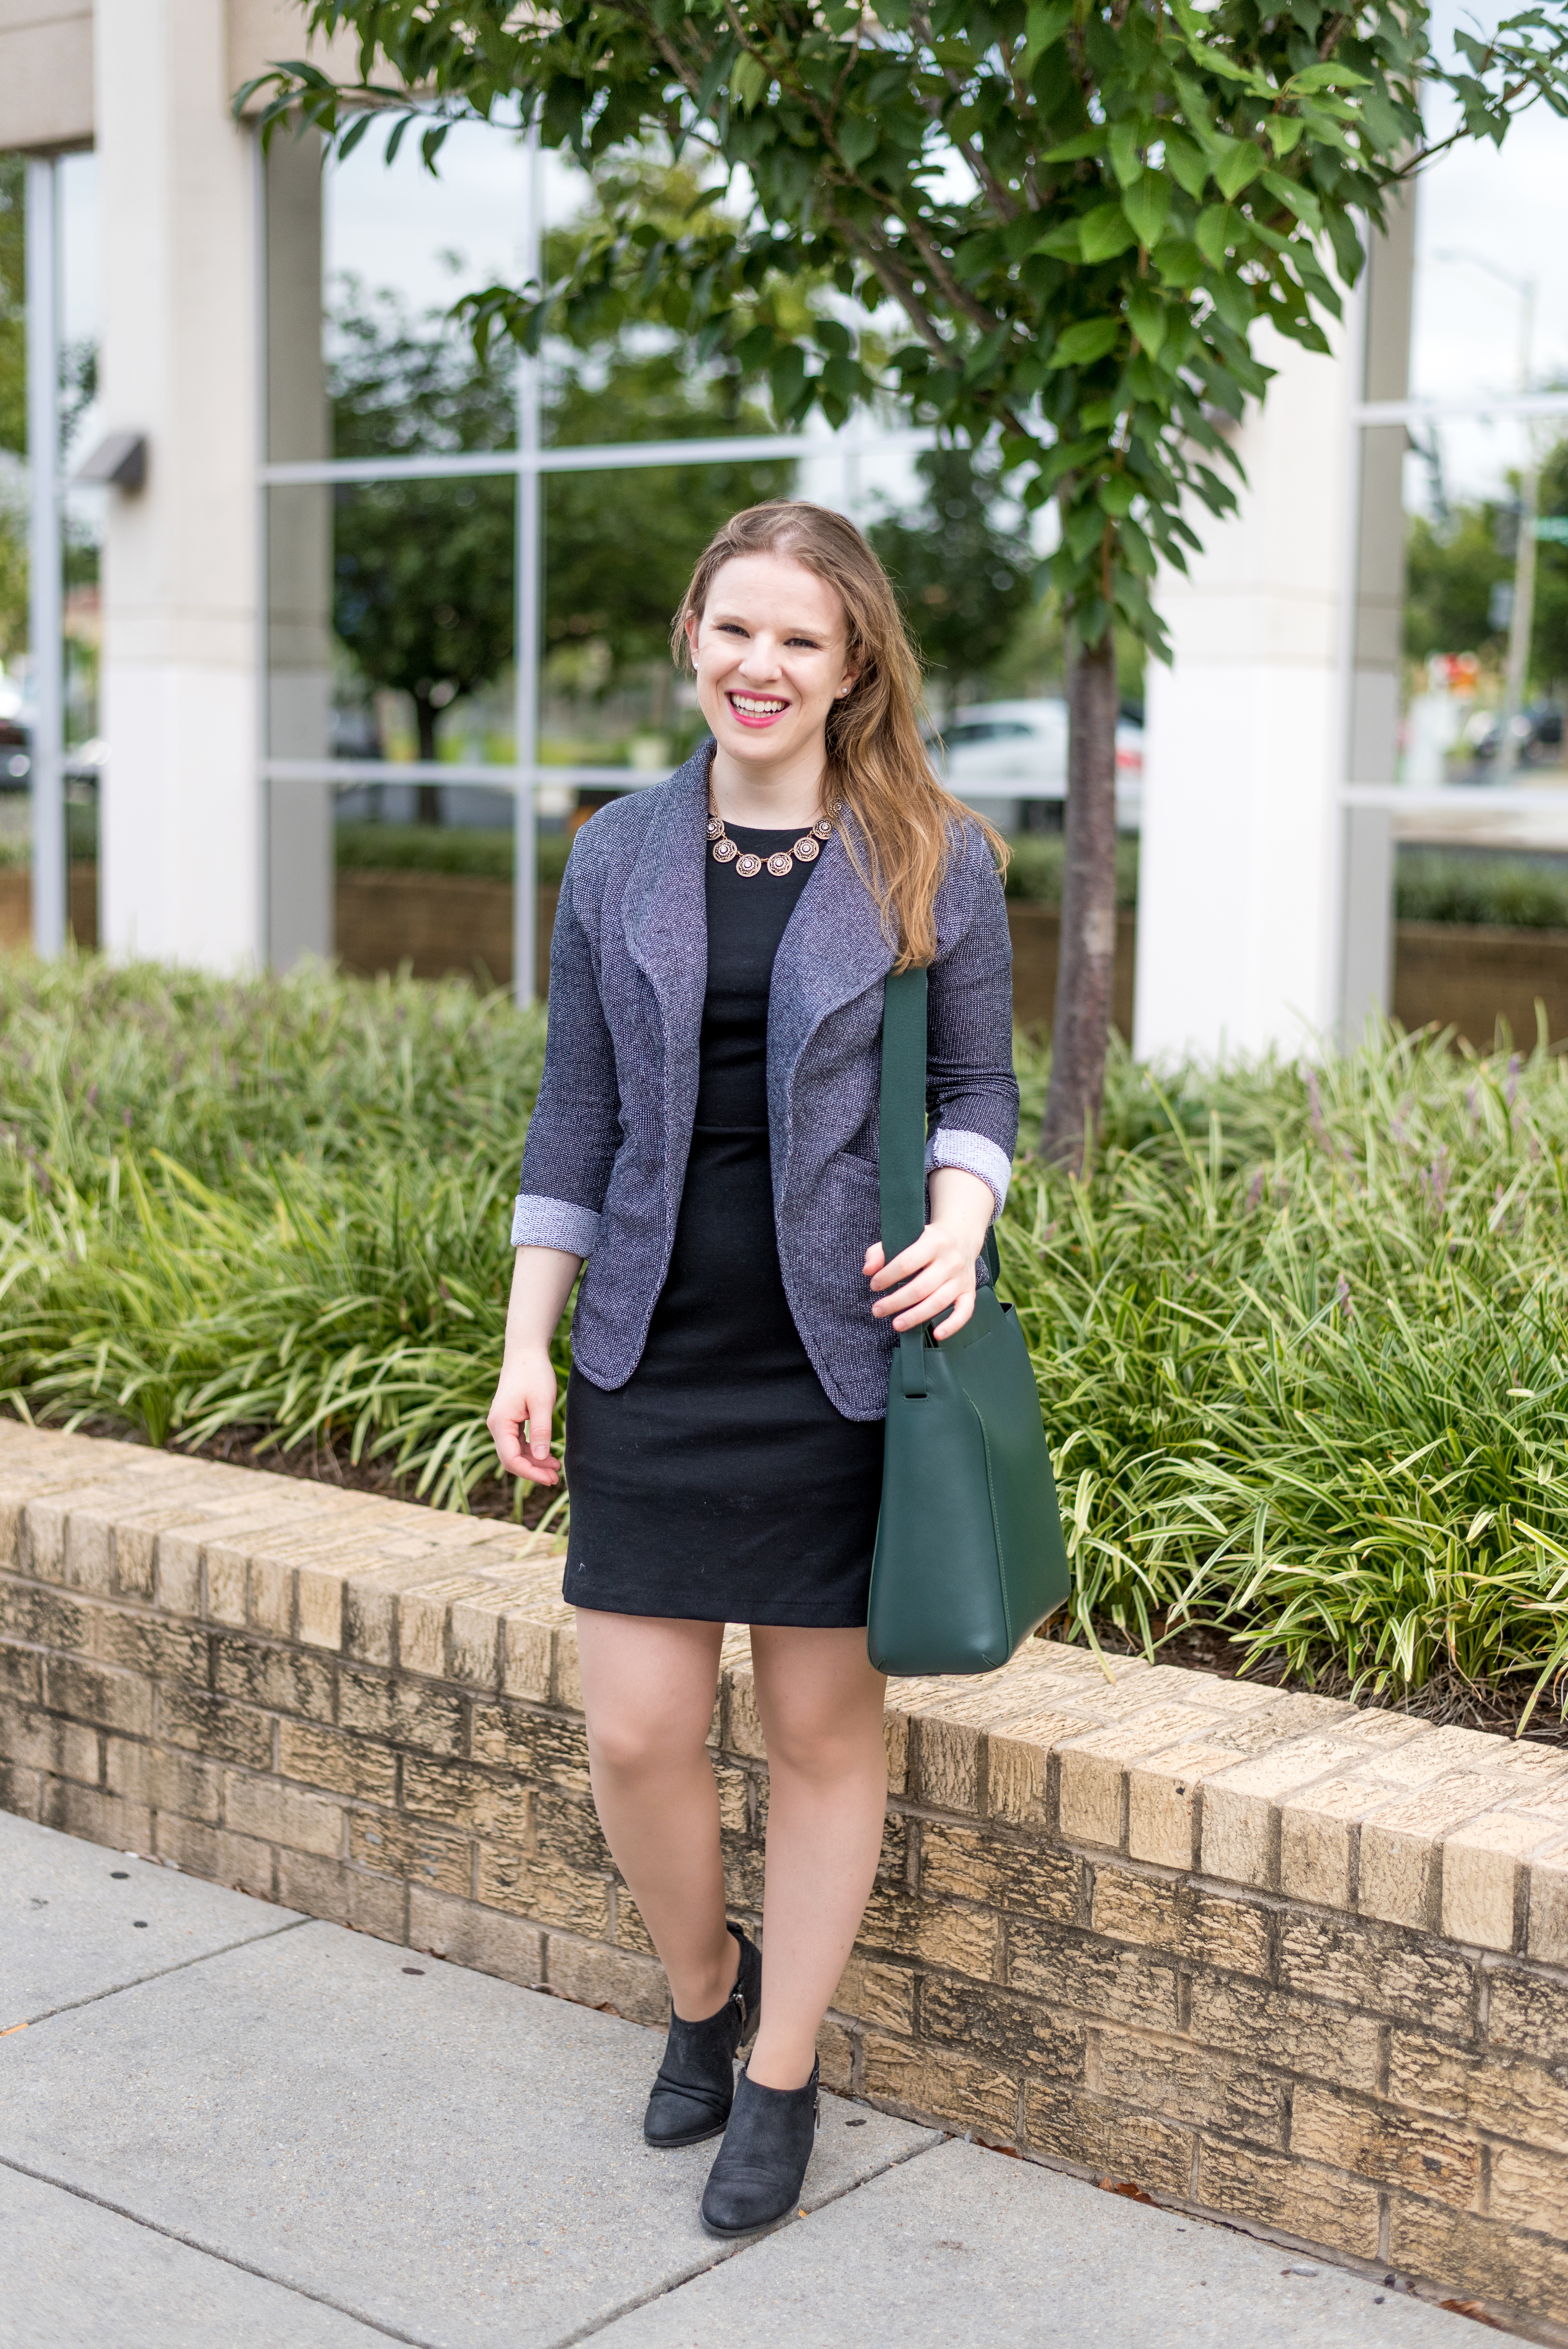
1301	1334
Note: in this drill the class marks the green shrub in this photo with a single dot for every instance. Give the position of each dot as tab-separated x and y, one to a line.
1436	885
440	848
1035	868
1302	1336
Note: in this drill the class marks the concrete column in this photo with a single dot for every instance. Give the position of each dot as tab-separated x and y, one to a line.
182	827
298	532
1263	917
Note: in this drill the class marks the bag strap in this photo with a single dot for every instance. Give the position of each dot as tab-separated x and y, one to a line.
901	1149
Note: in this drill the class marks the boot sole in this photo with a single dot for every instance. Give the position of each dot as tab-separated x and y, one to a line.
734	2234
697	2136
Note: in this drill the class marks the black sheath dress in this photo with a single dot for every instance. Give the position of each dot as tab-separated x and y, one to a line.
719	1483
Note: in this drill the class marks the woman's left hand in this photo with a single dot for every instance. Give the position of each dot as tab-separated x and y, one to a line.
936	1272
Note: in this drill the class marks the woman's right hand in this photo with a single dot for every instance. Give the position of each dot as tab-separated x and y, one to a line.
523	1414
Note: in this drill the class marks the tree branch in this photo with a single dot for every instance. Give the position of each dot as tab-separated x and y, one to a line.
1000	195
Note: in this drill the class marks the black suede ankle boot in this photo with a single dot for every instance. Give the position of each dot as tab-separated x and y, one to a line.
761	2165
695	2086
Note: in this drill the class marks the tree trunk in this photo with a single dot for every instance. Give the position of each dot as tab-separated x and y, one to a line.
428	796
1086	965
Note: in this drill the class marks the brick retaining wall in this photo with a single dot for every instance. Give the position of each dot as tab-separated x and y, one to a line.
1262	1956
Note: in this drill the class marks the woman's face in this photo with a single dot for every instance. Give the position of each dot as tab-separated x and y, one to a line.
769	651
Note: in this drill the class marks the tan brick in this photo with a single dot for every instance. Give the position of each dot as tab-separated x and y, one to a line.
961	1940
592	1975
1276	2190
108	1699
1527	2012
1485	2089
318	1604
1240	1807
1474	2259
284	1680
97	1817
566	1683
1162	1801
346	1766
390	1844
215	1727
474	1627
21	1672
270	1596
1400	1846
528	1656
895	1740
234	1860
1378	2142
535	1745
1093	1793
1479	1874
630	1933
1376	1969
743	1875
466	1935
342	1896
949	1764
20	1790
968	1864
879	1994
569	1830
280	1814
1019	1766
165	1779
1528	2189
458	1796
930	2082
835	2056
742	1722
1547	1938
1266	2026
45	1619
1113	2144
544	1888
1317	1837
1190	2084
1096	1979
1022	2034
150	1647
41	1740
1214	1931
1437	1754
428	1719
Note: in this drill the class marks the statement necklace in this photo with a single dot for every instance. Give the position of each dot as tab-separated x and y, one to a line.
807	849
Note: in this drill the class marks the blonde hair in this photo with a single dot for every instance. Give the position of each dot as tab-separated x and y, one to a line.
899	825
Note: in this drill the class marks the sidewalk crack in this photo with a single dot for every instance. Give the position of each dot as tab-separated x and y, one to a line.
705	2267
210	2251
181	1965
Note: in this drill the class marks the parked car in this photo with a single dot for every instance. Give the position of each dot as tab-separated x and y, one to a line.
1008	760
1537	735
15	746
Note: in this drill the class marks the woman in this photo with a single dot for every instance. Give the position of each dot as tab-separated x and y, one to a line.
706	1139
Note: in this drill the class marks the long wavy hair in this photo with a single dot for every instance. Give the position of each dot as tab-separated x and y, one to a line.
900	826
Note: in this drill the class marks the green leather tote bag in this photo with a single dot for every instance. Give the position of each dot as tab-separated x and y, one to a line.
969	1554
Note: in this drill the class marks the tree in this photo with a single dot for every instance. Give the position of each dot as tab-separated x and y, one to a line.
1075	210
1454	564
966	576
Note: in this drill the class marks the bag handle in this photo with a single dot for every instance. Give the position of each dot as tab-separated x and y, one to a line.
901	1148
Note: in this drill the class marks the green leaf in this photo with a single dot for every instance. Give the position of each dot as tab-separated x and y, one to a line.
1063	242
1215	233
1147	206
1088	340
1043	28
858	140
1104	233
1284	132
748	80
1186	163
1146	316
1296	199
1125	161
1073	150
1238	164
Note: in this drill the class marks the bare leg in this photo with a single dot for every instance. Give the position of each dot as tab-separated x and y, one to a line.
821	1708
648	1684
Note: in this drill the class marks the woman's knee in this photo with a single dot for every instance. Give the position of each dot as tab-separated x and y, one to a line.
631	1742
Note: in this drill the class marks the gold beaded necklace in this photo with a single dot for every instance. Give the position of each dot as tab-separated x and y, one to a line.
806	850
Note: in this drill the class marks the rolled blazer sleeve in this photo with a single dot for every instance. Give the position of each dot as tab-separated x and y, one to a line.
576	1129
972	1094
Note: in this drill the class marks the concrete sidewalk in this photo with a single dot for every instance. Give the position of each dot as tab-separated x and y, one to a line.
221	2122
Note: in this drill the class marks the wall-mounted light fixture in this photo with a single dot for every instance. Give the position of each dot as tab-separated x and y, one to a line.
119	462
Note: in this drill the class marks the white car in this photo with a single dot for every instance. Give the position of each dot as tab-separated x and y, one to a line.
1009	759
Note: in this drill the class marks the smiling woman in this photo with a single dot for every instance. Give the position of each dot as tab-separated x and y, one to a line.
706	1136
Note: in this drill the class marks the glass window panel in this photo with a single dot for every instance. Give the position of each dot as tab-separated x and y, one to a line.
619	548
1488	224
391	622
435	897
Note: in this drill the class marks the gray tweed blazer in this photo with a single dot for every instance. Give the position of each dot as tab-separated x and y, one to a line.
605	1158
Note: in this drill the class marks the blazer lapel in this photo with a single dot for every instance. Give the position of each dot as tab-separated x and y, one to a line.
833	949
665	924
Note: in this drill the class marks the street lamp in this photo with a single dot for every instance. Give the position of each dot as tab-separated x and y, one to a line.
1521	617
